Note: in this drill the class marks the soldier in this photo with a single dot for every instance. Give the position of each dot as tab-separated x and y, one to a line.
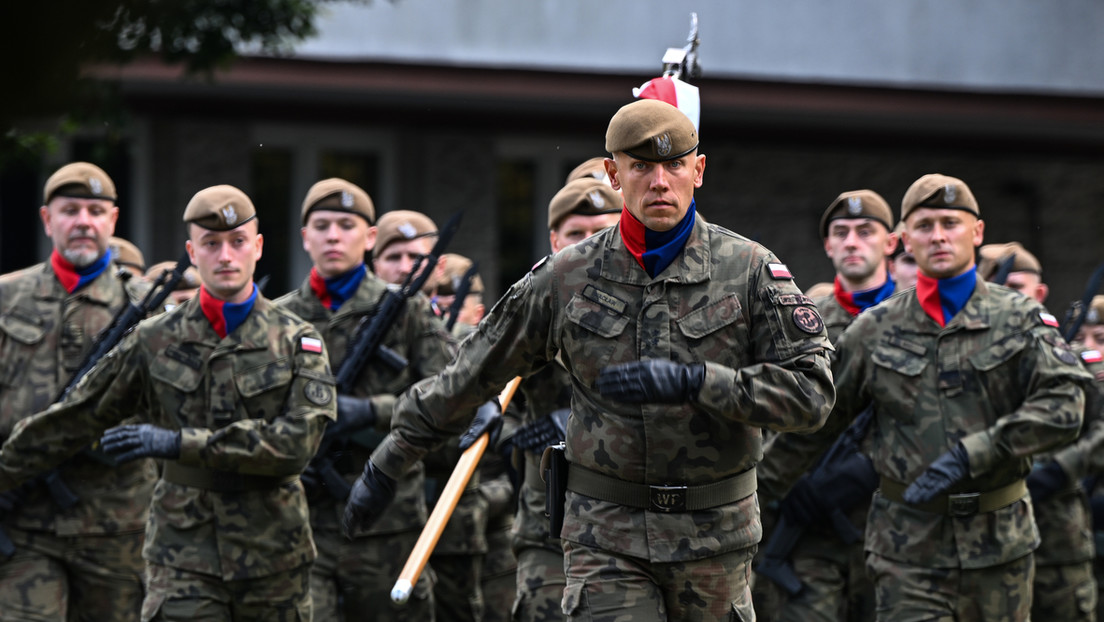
594	168
186	288
1091	333
902	265
680	338
84	561
127	256
443	294
350	579
238	393
579	210
857	229
1064	587
967	381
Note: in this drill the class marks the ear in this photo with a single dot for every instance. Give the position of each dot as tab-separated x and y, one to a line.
260	247
891	244
191	252
979	232
611	172
373	231
44	214
303	235
699	170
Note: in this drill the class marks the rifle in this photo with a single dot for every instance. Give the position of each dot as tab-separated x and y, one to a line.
682	63
1075	315
367	343
843	470
461	293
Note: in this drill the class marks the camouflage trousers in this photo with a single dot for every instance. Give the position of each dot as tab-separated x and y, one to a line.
907	593
1064	592
458	596
184	596
540	586
350	579
72	578
499	577
605	586
836	586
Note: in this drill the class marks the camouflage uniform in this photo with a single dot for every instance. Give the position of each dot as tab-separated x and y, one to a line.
998	379
833	572
230	512
723	301
361	573
83	562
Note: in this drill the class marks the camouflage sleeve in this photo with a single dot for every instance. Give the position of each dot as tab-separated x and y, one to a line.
1050	414
383	404
789	387
108	394
514	339
1086	455
277	446
432	345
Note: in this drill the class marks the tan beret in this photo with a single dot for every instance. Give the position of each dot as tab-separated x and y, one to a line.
126	254
80	180
857	204
991	256
220	208
594	168
455	268
337	195
586	196
190	280
401	226
1095	313
939	192
651	130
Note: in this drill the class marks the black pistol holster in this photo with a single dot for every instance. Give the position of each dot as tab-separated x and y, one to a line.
554	474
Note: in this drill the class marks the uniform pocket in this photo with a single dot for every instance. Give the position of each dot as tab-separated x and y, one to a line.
175	372
264	377
592	340
19	335
897	381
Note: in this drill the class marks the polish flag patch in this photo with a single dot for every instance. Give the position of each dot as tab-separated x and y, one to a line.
310	344
1049	319
1092	356
779	271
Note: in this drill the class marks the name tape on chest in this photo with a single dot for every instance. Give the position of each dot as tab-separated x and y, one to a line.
310	344
779	271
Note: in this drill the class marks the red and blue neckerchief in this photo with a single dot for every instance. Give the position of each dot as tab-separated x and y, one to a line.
73	278
942	299
225	317
334	291
655	250
857	302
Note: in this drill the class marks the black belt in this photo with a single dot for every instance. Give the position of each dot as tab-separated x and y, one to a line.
221	481
666	498
961	505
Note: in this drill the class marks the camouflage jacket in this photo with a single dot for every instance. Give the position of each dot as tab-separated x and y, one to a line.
253	403
724	302
45	335
422	341
996	378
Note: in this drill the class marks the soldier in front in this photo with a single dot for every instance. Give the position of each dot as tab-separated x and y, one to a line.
237	393
681	340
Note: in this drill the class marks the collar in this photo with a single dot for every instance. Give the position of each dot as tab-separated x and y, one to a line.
692	265
73	278
857	302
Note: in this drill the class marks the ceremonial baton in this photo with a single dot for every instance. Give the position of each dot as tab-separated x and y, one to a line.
455	486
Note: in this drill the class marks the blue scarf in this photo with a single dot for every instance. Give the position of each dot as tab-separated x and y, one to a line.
857	302
73	278
655	250
942	299
225	317
334	291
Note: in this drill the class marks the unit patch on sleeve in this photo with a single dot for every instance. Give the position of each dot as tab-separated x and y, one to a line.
808	320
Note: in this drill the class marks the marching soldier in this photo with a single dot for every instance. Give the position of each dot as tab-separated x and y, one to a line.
680	339
84	561
352	578
967	381
237	393
186	288
127	256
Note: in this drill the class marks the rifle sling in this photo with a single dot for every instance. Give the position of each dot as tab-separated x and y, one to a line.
961	505
665	498
221	481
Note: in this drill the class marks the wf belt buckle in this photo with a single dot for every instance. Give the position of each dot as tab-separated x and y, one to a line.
963	505
667	498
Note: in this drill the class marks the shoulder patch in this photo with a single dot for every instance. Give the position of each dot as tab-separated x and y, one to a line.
311	344
540	263
808	320
1063	354
1092	356
1048	319
779	271
317	393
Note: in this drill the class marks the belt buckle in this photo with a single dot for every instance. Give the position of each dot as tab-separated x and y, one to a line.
667	498
963	505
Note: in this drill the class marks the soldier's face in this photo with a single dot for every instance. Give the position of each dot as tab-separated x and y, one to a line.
1029	284
578	227
943	240
903	270
1092	337
658	194
226	259
336	241
398	259
858	248
79	228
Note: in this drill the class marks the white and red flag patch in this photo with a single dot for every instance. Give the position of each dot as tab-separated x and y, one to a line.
679	94
1092	356
1049	319
779	271
310	344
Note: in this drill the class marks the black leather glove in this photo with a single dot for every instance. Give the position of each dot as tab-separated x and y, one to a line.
487	419
372	493
1044	481
947	470
803	505
548	430
652	380
130	442
353	414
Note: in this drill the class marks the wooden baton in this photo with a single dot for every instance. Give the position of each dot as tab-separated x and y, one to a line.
450	495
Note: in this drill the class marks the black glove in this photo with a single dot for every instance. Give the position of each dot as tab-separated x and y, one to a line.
548	430
487	419
1044	481
129	442
653	380
353	414
372	493
946	471
803	505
